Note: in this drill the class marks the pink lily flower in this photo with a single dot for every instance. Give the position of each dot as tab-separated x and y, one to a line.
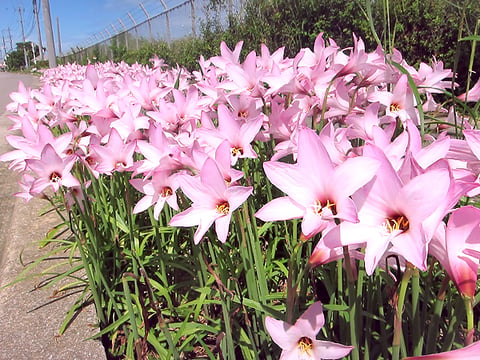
450	242
26	184
238	134
245	78
364	126
158	190
298	341
317	190
395	216
19	98
76	195
213	201
473	94
470	352
157	152
115	155
400	102
227	56
222	157
130	124
430	79
52	171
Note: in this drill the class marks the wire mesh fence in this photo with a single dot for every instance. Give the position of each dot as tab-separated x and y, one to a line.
183	19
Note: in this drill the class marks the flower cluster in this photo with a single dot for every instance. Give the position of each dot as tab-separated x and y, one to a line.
350	153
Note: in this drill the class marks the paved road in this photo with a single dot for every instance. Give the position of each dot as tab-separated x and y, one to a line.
30	317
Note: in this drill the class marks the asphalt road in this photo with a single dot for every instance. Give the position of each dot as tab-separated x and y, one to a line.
31	315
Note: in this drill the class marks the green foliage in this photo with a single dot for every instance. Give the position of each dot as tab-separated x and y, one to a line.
423	30
15	60
296	24
420	29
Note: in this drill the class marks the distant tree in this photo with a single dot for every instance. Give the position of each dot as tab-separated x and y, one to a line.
16	59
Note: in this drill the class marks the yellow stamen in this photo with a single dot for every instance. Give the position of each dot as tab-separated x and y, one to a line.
237	151
243	114
398	223
55	177
318	207
305	344
394	107
166	191
223	208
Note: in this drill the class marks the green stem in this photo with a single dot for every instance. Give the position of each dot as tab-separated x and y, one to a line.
397	325
416	317
352	302
437	312
381	313
468	301
291	284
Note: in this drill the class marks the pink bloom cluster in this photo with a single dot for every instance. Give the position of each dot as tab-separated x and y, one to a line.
366	181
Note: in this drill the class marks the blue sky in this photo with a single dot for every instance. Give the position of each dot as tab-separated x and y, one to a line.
79	19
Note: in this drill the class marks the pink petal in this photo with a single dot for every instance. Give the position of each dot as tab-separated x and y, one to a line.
222	225
211	176
195	190
312	156
283	208
473	139
312	224
283	334
311	321
470	352
412	245
418	204
206	220
330	350
237	195
142	204
292	181
363	170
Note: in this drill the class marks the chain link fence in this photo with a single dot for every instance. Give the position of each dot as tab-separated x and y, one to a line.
182	20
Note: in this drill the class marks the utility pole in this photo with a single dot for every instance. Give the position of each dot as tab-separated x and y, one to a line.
23	37
4	46
58	38
35	11
10	36
52	59
33	52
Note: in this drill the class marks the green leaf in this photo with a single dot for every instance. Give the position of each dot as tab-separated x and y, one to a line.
335	307
471	38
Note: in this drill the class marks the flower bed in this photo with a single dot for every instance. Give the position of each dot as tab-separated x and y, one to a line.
269	199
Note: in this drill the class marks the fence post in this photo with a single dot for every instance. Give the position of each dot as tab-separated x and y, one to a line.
125	32
115	36
136	29
167	19
192	11
148	20
108	45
